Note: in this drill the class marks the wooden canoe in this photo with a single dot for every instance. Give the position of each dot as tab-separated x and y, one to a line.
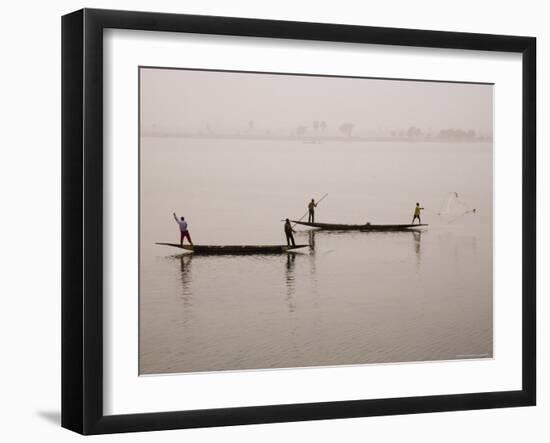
235	249
365	227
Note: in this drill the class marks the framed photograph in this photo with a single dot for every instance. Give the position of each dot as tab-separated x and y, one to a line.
269	221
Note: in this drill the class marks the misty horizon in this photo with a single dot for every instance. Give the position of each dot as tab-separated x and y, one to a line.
257	105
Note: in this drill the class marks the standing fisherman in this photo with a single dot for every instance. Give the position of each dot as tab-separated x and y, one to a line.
184	231
311	207
417	210
288	233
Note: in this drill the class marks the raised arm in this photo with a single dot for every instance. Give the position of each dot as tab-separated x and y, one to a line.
175	217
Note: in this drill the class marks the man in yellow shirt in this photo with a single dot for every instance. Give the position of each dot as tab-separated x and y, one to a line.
417	210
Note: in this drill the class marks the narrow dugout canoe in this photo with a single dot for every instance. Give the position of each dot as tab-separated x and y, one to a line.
365	227
235	249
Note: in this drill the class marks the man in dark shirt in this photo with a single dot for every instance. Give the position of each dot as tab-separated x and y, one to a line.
288	233
311	209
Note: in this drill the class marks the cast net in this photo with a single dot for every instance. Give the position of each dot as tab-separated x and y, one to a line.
454	207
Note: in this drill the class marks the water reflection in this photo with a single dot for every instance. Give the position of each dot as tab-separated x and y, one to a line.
311	238
303	287
186	279
313	264
314	303
290	281
313	234
185	273
417	237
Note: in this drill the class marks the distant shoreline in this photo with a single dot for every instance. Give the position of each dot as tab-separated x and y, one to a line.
315	140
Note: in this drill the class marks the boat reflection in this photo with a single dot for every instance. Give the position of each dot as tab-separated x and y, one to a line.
316	234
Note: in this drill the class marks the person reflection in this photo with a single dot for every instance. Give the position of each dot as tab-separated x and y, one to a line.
313	265
290	288
185	277
311	235
417	237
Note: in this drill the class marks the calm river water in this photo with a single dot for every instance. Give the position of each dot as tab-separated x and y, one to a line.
353	298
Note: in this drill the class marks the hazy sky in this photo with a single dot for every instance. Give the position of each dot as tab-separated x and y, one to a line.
186	101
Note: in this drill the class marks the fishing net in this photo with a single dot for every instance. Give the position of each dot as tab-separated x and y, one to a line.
454	207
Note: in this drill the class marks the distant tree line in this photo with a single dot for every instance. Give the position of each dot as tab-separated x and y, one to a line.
444	134
456	134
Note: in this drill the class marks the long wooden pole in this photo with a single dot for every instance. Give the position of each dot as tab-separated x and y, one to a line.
307	212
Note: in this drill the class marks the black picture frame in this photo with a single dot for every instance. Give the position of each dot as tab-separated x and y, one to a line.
82	219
